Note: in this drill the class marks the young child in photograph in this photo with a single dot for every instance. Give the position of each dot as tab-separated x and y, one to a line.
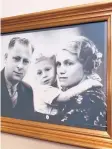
47	92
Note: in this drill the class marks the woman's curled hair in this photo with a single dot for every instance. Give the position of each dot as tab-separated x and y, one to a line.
87	53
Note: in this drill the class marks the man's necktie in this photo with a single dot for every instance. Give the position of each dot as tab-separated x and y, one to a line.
14	95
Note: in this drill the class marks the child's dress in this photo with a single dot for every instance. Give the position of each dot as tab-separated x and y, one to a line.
43	98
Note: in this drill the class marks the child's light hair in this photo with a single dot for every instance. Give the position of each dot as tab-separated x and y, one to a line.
41	57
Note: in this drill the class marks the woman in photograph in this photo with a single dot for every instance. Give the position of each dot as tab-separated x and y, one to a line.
75	64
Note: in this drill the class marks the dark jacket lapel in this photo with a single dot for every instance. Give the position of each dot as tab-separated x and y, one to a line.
5	98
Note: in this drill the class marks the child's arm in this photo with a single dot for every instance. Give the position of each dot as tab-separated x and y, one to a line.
65	96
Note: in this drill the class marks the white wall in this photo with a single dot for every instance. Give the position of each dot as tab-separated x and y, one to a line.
17	7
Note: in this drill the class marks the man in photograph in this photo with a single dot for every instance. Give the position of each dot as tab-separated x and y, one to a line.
16	96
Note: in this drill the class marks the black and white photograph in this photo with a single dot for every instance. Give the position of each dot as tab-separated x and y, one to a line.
56	75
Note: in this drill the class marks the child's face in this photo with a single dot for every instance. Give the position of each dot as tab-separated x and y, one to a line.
46	72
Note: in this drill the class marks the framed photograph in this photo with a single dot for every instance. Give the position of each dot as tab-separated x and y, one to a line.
56	75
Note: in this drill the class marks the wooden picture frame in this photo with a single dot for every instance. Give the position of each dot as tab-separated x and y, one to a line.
56	18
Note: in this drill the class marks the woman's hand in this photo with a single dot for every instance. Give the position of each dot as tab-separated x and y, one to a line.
93	83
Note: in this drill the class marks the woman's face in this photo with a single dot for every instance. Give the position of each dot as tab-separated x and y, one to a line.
69	69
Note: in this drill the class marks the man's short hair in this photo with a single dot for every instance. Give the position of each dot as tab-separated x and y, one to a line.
22	41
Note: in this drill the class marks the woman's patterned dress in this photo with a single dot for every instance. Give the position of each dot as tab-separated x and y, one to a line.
87	110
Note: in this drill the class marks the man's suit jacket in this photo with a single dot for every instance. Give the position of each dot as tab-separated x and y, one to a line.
24	108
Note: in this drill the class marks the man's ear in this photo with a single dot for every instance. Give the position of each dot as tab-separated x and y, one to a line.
5	57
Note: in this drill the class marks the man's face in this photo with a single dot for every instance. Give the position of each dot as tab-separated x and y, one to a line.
46	72
16	62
